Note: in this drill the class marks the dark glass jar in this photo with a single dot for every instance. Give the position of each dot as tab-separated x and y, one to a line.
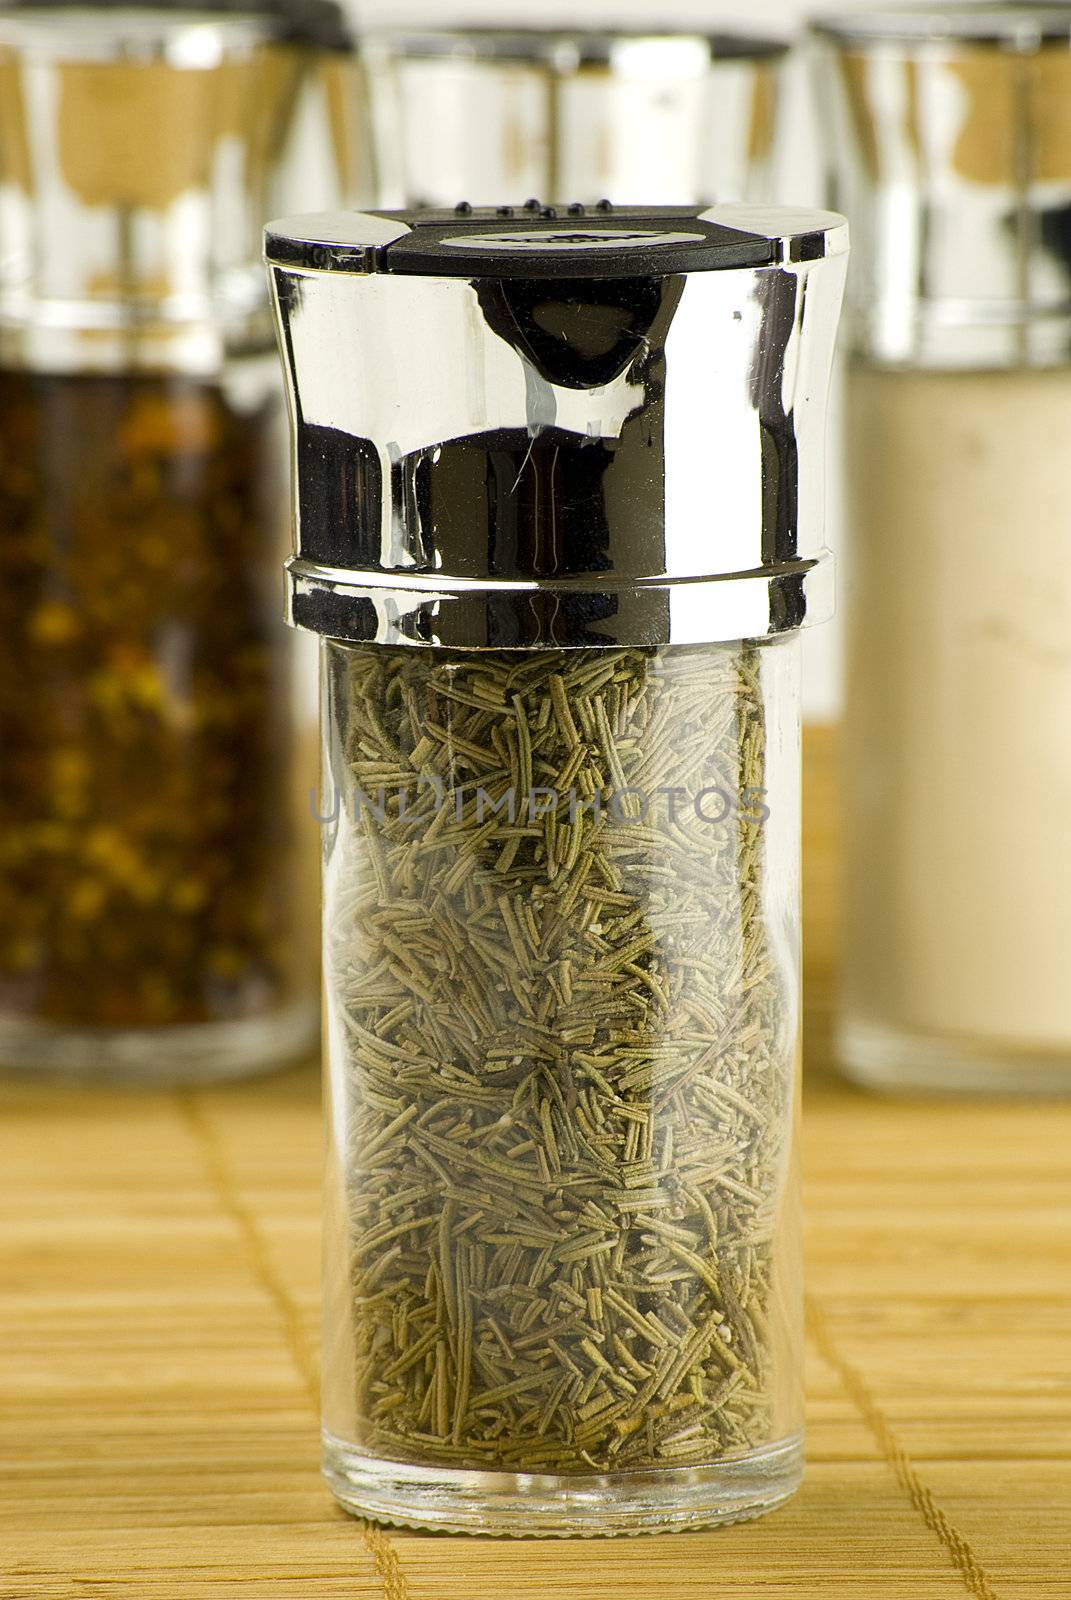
154	922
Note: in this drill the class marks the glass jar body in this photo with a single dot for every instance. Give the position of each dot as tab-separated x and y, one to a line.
561	945
957	757
153	924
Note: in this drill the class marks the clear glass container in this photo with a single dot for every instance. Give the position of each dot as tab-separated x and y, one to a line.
156	922
561	906
951	154
561	814
499	115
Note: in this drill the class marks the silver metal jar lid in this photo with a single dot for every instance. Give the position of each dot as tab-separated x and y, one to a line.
141	148
538	426
949	146
667	114
181	32
571	47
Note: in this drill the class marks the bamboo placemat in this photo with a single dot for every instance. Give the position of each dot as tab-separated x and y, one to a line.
158	1332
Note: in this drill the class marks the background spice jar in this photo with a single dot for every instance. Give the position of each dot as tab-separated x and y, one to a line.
949	142
153	918
559	548
145	712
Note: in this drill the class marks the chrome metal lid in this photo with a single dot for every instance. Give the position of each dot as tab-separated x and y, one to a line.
96	29
558	426
658	115
141	148
572	47
948	135
1017	24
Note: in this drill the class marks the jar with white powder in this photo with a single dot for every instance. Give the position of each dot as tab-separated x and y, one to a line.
949	135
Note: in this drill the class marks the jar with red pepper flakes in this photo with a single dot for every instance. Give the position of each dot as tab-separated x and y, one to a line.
154	912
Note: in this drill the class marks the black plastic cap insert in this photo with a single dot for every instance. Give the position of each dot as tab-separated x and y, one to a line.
554	242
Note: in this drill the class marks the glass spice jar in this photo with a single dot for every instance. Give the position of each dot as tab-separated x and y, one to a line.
153	919
949	141
559	514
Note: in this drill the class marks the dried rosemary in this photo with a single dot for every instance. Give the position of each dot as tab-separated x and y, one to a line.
565	1047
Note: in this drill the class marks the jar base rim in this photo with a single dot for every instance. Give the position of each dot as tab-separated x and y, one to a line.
202	1053
528	1505
885	1058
